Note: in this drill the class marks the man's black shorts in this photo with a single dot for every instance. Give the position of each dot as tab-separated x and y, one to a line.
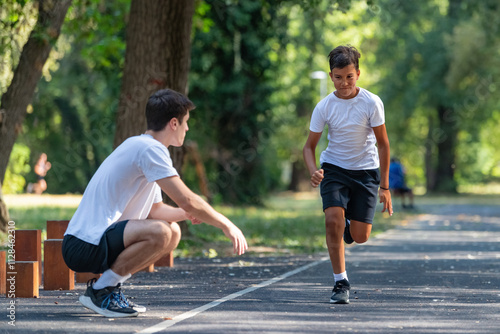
82	256
354	190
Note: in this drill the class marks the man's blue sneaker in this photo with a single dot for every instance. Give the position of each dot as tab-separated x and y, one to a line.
108	302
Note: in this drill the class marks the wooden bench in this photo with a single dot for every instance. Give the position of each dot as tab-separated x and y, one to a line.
28	247
23	282
56	230
56	274
53	271
3	272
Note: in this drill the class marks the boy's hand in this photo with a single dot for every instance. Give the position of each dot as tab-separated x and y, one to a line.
317	177
385	197
239	242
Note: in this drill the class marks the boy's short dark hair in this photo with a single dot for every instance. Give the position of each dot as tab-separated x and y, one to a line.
164	105
344	55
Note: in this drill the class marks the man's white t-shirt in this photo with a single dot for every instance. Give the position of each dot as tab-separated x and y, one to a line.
351	141
123	187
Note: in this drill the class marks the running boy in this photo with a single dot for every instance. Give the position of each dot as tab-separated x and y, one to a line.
121	225
349	173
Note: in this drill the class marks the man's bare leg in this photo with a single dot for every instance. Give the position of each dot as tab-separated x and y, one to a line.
146	241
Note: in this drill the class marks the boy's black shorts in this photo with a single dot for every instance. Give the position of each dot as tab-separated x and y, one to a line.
354	190
82	256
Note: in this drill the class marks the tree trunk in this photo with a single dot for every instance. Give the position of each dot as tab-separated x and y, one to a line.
430	165
299	180
18	96
445	135
446	146
157	57
300	175
4	213
194	153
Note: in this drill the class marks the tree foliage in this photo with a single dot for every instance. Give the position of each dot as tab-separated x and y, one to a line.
230	83
250	77
434	63
438	60
157	57
73	118
14	102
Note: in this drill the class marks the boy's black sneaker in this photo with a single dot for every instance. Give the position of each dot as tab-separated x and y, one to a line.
107	302
340	292
347	232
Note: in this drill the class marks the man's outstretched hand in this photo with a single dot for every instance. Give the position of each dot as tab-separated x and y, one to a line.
239	242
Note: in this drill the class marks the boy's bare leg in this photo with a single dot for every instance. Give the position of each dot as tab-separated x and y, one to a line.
360	232
146	241
335	224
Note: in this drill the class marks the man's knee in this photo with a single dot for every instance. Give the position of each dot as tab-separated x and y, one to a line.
167	235
160	233
176	232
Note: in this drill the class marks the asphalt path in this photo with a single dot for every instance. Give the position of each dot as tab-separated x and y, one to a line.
440	273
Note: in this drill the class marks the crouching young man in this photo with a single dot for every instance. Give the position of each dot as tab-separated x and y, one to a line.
121	225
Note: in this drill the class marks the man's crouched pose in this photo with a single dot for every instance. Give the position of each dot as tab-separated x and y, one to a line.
121	225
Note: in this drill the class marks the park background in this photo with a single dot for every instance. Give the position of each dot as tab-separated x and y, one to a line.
255	69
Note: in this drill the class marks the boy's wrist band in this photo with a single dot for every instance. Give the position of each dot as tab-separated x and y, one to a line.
383	188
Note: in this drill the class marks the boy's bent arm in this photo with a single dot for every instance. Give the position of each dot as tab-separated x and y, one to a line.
309	152
195	206
385	157
384	154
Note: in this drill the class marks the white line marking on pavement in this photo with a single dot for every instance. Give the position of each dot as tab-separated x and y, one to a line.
169	323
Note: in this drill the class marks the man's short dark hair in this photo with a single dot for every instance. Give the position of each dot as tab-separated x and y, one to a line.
164	105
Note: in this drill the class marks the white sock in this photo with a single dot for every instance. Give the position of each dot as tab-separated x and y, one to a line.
124	278
109	278
341	276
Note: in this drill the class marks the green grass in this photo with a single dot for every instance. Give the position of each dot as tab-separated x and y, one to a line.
36	217
32	211
284	225
288	224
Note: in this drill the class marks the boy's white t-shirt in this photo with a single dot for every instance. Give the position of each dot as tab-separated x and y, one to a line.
123	187
351	140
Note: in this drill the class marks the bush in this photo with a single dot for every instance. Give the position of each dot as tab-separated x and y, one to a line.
18	167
